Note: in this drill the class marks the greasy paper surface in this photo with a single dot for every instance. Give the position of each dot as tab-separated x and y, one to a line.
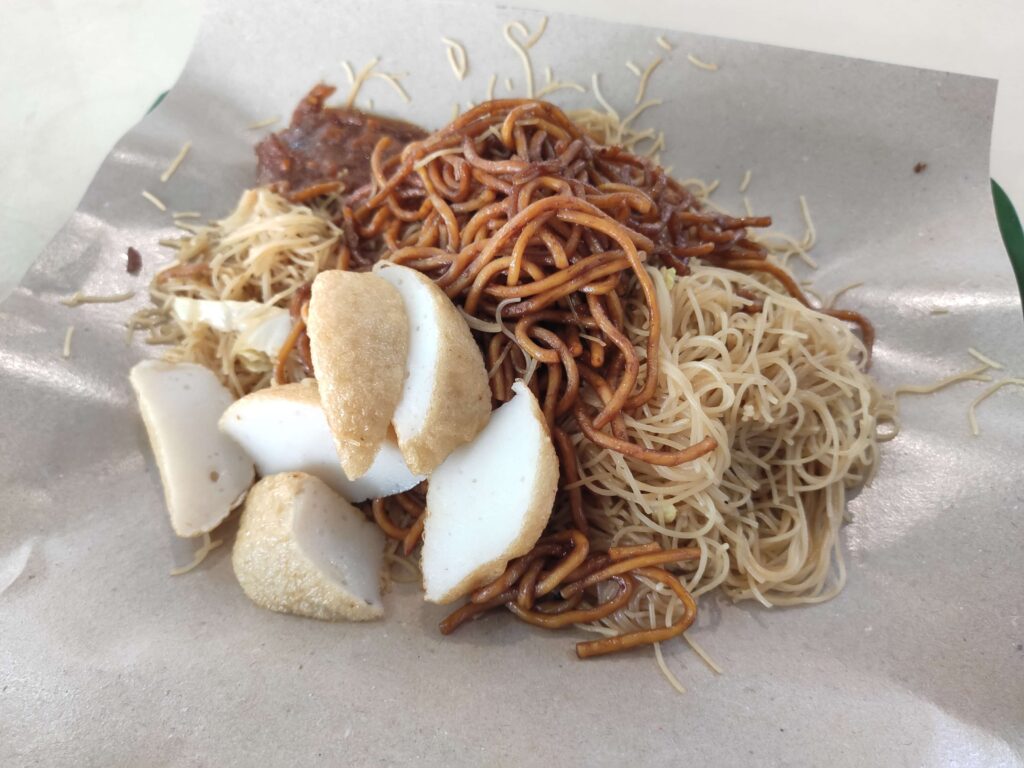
106	660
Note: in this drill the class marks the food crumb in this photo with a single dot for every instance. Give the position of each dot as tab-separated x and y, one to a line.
920	167
66	353
134	261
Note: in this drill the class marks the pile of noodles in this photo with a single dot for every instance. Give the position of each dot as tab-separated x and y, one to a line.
796	421
709	422
265	251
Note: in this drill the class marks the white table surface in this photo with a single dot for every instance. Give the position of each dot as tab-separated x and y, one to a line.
76	74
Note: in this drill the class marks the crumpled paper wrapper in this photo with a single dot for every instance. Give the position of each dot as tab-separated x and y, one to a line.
107	660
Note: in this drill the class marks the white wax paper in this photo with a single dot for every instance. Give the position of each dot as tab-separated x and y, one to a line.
107	660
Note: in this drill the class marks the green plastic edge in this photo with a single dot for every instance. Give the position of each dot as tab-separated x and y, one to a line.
1009	223
156	103
1013	234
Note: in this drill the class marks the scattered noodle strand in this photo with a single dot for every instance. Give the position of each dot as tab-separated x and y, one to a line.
264	123
456	58
156	201
831	301
551	85
522	49
357	80
601	99
541	27
644	78
972	416
984	359
78	298
178	160
392	78
700	64
660	657
206	548
714	667
975	374
66	352
810	232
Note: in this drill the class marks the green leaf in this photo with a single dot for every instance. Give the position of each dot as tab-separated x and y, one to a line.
1013	235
